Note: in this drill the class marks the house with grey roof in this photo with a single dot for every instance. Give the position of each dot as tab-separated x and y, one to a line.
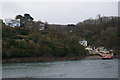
12	22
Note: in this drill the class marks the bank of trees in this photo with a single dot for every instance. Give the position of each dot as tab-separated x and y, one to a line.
31	42
58	40
102	31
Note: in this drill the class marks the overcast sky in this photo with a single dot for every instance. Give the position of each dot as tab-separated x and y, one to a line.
59	12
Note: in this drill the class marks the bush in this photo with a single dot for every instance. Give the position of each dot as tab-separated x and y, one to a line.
22	44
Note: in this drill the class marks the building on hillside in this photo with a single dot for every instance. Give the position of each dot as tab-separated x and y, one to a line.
12	23
41	26
83	43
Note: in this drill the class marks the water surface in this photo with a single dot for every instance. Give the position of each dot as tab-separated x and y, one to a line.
62	69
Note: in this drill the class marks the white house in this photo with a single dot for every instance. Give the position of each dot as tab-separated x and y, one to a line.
41	26
12	23
84	43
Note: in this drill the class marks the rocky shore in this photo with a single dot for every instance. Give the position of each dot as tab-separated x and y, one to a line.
42	59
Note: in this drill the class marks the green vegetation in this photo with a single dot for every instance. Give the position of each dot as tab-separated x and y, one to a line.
29	42
57	40
100	32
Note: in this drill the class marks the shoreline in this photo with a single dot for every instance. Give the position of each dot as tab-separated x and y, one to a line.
44	59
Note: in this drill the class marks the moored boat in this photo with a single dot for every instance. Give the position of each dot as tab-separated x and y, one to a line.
107	55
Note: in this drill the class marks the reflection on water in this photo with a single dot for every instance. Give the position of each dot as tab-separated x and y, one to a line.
65	69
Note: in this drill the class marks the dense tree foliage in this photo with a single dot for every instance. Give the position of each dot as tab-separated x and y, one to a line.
31	42
99	32
26	20
58	40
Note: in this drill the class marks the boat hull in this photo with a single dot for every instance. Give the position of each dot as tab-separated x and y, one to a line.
107	58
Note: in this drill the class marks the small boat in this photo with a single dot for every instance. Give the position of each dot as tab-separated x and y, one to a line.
107	56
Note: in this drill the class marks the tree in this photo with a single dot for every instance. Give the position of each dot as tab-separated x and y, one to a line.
28	17
22	24
19	17
46	24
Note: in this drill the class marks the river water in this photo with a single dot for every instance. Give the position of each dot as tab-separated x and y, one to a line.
62	69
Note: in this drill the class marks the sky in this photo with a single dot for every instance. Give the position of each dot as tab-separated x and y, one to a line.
58	12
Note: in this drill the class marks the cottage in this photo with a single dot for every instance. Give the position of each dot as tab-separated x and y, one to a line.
84	43
12	23
41	26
